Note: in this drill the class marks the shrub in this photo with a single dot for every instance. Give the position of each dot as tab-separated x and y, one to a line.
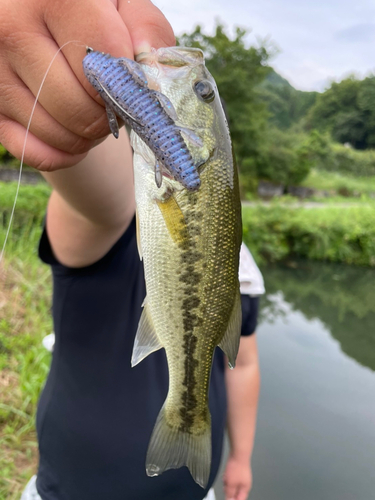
283	158
334	157
333	234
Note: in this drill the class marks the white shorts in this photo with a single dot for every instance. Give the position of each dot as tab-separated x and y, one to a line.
30	493
210	495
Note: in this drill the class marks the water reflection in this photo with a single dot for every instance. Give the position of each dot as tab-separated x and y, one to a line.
316	428
341	297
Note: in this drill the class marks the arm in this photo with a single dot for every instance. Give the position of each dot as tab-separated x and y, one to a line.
92	203
243	390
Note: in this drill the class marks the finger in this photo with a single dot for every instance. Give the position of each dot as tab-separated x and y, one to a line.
17	102
103	29
146	24
230	491
62	96
37	154
66	93
242	492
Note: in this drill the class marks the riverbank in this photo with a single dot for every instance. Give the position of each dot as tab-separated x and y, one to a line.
336	232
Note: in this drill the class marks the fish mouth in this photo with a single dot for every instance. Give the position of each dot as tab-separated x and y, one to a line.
172	56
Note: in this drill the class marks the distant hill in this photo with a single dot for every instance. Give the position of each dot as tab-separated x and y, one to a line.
286	104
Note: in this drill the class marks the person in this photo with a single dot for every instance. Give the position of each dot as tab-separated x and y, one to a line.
96	414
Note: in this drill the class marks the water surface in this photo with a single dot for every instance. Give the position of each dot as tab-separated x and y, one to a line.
316	428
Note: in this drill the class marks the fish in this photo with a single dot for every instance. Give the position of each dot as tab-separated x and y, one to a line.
123	86
189	241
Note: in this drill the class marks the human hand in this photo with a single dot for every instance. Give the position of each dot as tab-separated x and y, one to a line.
238	479
69	118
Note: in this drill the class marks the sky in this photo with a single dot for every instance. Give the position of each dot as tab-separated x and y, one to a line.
318	40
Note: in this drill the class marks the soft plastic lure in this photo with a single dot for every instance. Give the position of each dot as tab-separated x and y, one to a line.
122	85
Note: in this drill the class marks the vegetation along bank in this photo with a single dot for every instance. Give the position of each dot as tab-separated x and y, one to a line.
272	231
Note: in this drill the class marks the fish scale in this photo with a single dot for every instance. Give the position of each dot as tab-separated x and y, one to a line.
150	120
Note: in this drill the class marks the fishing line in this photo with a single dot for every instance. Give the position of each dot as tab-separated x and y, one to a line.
26	135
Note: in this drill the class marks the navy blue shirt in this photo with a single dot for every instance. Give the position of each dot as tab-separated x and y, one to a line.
96	413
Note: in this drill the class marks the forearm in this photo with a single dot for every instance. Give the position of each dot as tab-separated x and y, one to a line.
100	187
92	203
243	391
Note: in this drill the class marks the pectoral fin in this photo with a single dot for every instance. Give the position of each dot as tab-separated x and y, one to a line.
174	219
201	163
231	340
146	340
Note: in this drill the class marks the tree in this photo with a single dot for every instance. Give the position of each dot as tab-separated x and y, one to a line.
347	111
286	104
262	151
284	158
238	71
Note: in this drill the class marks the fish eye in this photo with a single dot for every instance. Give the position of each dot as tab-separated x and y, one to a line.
205	90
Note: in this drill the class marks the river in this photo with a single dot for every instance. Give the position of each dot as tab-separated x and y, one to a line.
316	426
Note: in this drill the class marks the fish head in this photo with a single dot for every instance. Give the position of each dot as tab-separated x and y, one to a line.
180	74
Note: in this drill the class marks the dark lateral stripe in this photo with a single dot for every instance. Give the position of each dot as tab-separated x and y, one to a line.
188	398
190	278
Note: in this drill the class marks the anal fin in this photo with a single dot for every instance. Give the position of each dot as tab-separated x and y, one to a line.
146	340
231	340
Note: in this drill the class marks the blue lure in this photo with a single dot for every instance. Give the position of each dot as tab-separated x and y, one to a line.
122	85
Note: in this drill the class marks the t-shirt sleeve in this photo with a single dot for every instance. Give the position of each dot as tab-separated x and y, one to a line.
47	256
250	308
45	251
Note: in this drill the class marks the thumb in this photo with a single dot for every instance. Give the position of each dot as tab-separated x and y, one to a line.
97	24
146	24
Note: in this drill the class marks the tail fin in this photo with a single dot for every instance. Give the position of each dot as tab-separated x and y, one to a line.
171	448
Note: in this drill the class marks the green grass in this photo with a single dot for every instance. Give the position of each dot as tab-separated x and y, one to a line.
25	319
25	300
31	203
337	183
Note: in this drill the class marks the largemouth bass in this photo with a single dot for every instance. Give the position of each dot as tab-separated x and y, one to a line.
189	239
190	244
